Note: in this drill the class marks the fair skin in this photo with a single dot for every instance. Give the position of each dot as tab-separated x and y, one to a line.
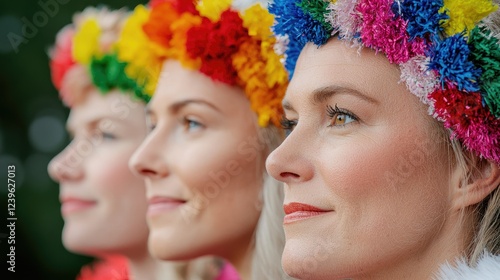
203	174
103	203
365	152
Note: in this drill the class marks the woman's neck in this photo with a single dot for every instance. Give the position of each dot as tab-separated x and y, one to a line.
244	266
147	267
242	261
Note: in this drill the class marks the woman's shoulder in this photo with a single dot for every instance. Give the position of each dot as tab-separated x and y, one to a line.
115	268
487	268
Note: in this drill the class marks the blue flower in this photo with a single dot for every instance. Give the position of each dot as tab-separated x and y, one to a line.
423	17
450	58
300	27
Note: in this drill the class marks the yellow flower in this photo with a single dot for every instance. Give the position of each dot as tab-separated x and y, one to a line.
142	55
258	21
264	117
465	14
276	73
86	41
264	89
212	9
248	64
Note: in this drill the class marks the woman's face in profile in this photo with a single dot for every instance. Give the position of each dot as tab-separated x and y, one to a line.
367	180
102	202
203	167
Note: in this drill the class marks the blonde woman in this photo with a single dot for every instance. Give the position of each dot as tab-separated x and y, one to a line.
213	119
103	205
375	186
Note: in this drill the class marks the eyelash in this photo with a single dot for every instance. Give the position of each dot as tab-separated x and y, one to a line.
151	127
186	121
287	124
107	135
333	112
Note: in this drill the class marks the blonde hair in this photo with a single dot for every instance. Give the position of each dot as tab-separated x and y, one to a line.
270	237
485	214
487	237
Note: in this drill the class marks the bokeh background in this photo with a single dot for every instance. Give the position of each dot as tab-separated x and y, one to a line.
32	131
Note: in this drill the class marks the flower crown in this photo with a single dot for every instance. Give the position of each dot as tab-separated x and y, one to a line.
228	46
91	42
448	54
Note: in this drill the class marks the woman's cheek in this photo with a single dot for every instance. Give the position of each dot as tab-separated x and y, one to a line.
111	167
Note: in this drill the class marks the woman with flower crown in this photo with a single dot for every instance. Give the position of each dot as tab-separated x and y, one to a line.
103	204
392	161
213	119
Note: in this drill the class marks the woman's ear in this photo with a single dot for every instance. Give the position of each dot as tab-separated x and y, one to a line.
484	179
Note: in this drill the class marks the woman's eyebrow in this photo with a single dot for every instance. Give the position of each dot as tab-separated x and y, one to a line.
320	95
176	106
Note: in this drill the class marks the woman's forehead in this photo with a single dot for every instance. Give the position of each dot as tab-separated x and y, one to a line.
180	85
113	105
339	66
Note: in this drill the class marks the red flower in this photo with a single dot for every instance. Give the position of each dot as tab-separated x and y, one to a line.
215	43
61	56
197	39
231	26
115	268
471	122
220	69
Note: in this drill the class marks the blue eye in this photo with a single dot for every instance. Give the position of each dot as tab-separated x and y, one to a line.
190	124
340	117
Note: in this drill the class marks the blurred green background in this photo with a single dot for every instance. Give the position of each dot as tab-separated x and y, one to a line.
32	131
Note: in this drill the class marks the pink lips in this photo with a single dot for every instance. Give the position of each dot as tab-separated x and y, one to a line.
160	204
71	205
298	211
